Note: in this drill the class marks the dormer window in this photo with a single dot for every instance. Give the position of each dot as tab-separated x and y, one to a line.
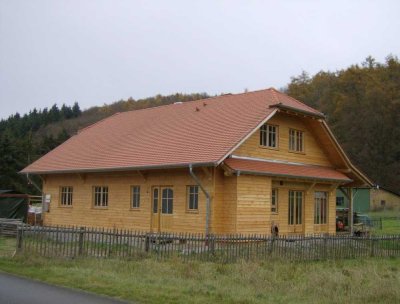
296	140
269	136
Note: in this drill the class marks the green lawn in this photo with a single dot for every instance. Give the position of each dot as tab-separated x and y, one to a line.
7	246
172	281
390	221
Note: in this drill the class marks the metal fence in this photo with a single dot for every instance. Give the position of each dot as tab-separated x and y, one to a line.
105	243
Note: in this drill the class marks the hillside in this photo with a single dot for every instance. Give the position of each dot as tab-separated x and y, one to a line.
362	105
24	139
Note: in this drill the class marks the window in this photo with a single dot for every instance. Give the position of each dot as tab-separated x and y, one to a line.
167	201
100	196
340	201
295	208
383	203
155	200
269	136
193	198
320	208
66	196
135	196
296	141
274	200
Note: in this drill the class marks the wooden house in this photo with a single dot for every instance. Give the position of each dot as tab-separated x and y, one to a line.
245	163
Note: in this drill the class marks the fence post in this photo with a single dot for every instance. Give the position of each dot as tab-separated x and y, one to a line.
19	239
325	247
1	228
271	248
373	241
147	243
211	243
81	239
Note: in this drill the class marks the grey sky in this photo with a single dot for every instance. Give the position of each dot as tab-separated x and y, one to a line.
97	52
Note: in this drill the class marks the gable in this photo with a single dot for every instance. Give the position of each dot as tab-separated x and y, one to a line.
313	152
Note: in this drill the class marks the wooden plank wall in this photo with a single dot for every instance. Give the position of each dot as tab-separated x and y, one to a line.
314	154
253	204
281	217
119	213
224	203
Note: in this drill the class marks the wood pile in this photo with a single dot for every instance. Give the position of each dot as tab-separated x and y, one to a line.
9	227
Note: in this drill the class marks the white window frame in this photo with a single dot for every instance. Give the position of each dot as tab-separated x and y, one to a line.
135	197
269	136
100	196
274	200
66	195
192	198
321	208
296	140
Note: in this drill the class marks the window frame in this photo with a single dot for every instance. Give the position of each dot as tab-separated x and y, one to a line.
188	197
102	193
274	200
170	201
135	205
295	148
321	208
295	215
264	140
69	196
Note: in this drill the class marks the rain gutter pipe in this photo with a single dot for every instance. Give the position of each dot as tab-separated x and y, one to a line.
208	198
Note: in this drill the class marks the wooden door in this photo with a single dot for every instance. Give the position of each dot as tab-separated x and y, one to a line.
155	210
296	212
162	208
321	211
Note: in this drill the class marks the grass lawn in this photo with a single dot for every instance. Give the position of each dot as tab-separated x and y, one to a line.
150	281
390	221
7	246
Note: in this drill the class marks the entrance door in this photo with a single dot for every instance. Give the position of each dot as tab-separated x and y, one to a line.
162	208
296	211
321	211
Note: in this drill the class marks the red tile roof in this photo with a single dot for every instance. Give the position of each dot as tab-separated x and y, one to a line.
285	170
196	132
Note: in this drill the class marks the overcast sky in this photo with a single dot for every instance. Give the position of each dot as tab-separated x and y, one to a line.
97	52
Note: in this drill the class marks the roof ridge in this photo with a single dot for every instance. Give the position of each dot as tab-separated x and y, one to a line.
198	100
97	122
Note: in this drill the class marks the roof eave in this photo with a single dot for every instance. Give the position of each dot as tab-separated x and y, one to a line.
121	169
342	181
296	110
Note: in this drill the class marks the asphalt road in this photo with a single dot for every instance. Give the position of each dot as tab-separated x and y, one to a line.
17	290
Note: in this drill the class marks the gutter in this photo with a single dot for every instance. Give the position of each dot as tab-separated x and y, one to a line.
208	199
342	181
121	169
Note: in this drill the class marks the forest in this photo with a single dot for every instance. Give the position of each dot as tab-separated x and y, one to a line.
361	103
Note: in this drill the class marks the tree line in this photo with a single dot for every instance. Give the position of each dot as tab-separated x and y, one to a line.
23	139
362	105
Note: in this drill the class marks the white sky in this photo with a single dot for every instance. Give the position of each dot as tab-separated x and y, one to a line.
97	52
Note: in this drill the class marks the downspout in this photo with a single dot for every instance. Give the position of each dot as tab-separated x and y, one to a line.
208	198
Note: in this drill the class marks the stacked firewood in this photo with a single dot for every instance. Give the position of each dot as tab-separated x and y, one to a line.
9	227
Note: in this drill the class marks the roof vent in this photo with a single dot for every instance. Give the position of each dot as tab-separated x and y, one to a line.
178	102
